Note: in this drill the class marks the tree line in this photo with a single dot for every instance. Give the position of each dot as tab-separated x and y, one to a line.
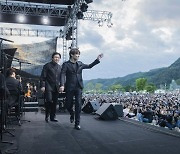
141	84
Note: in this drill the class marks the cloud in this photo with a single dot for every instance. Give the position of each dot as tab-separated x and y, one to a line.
162	10
145	35
89	35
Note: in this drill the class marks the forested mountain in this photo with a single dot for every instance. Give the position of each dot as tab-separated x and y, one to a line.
158	77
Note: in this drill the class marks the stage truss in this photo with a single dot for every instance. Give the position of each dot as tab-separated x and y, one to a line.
67	14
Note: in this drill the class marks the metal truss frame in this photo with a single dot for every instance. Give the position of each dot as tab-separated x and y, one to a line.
72	22
99	16
29	32
68	13
33	9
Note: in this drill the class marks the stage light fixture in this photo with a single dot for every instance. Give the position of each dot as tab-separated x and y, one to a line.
45	20
21	18
88	1
84	7
110	25
68	37
69	34
100	23
79	15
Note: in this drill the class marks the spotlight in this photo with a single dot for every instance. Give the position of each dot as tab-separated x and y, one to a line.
100	23
89	1
69	34
110	25
68	37
79	15
21	18
84	7
70	31
45	20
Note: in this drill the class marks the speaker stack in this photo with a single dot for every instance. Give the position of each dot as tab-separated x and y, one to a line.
91	106
110	111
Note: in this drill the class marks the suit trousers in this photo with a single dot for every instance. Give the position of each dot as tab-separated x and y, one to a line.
77	94
51	99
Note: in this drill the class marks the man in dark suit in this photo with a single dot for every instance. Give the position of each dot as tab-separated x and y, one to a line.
72	82
50	82
15	88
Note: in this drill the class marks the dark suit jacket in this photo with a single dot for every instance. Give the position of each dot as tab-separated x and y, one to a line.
70	76
50	76
14	86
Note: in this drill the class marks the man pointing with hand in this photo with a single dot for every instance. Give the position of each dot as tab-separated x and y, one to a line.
72	82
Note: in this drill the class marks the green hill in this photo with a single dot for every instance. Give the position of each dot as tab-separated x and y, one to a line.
159	76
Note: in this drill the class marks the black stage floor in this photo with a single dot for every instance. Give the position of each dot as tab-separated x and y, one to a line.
96	136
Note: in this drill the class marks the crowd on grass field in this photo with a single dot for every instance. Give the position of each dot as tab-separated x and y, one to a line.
158	109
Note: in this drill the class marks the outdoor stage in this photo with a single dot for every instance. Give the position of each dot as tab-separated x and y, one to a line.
95	136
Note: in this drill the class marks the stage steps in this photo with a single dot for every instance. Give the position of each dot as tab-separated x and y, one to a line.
30	107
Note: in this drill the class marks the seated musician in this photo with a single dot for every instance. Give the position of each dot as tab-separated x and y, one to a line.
14	86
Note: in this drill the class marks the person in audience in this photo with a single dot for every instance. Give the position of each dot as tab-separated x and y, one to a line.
164	109
177	119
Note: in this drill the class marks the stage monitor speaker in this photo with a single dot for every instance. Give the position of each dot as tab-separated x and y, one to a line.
91	106
107	112
119	109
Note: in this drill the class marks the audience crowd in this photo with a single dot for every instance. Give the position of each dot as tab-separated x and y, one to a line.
158	109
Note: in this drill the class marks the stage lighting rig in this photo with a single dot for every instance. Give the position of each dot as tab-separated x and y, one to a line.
80	15
68	37
69	34
100	23
84	7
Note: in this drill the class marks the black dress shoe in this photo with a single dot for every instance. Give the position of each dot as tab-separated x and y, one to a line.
54	120
72	118
78	127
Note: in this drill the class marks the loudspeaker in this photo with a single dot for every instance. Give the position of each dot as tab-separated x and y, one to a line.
91	106
119	109
107	112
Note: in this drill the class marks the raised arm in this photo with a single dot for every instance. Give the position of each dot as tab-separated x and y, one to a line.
97	61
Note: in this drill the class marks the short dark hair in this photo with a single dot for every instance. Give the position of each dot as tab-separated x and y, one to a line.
74	51
10	71
56	53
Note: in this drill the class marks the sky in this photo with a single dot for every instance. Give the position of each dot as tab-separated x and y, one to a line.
145	35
